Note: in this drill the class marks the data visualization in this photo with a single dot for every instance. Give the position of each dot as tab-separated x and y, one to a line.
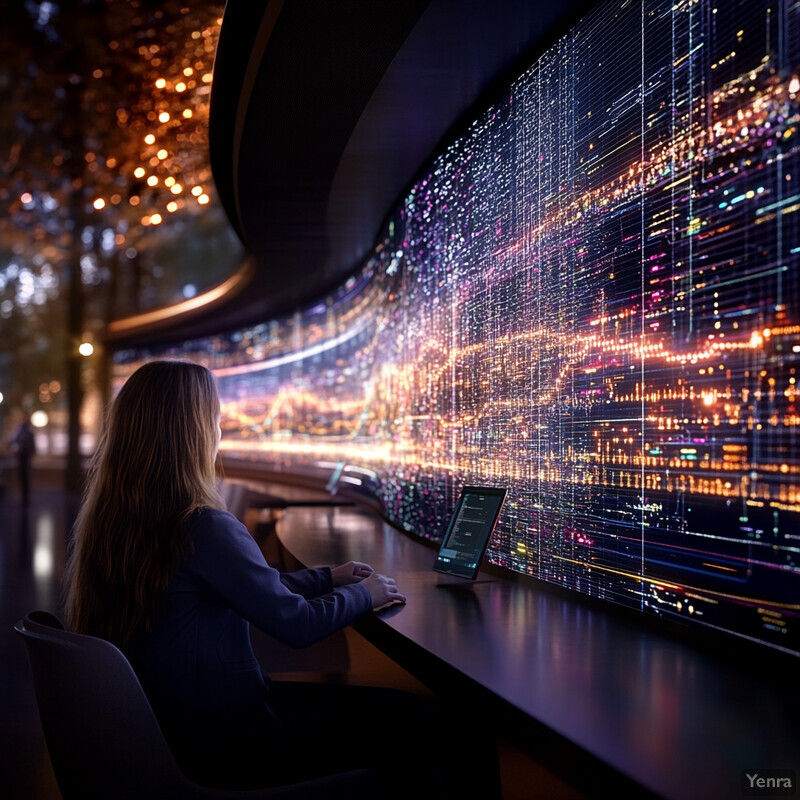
590	297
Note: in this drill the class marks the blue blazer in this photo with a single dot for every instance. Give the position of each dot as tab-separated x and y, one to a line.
198	665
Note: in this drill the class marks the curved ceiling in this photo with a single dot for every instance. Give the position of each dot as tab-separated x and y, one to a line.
323	113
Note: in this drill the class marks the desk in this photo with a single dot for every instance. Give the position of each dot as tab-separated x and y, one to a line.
608	702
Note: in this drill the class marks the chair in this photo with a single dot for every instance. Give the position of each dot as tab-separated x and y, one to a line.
103	737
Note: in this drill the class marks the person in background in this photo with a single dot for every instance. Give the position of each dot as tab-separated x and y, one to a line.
162	570
23	445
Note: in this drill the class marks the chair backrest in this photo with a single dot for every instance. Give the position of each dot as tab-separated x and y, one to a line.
104	739
101	732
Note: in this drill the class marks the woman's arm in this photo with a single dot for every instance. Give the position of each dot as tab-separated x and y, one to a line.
321	580
229	561
309	582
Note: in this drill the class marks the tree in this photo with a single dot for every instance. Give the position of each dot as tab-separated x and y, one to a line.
103	127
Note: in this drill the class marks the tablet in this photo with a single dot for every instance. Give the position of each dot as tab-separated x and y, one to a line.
469	530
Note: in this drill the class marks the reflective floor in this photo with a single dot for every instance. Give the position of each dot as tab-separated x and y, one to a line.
32	550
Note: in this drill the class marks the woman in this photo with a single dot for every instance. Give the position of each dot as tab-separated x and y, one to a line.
159	568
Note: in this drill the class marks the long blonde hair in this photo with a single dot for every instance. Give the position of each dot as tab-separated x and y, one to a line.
153	468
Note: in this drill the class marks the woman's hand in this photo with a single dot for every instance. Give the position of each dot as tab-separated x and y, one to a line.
351	572
383	590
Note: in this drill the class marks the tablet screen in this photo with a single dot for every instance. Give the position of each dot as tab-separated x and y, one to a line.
469	530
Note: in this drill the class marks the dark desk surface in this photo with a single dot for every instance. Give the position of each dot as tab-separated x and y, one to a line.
678	720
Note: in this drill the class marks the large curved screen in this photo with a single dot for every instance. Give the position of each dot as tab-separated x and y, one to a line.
590	297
